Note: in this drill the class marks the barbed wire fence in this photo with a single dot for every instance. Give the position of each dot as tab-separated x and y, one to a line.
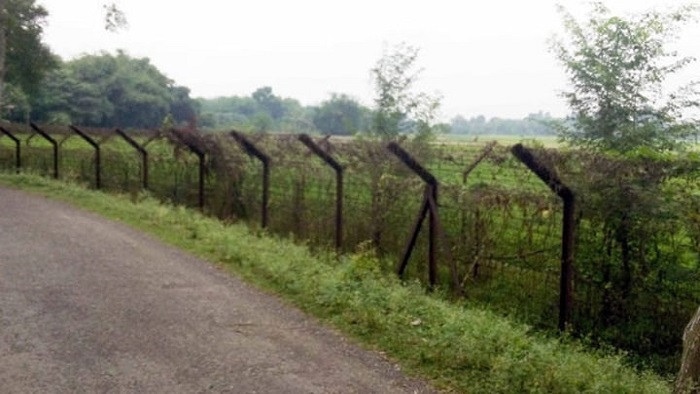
498	238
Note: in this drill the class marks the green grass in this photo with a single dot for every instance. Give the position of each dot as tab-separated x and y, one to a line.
458	348
549	141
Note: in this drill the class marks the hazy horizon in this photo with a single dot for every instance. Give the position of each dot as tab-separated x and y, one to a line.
488	59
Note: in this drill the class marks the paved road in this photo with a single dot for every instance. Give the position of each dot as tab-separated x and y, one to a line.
88	305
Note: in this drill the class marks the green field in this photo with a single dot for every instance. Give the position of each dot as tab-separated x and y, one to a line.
548	141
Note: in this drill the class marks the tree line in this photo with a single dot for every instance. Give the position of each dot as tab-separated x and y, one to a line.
102	90
117	90
613	95
539	123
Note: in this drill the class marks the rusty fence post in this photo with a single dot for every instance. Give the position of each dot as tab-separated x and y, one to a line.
527	157
98	166
440	230
18	156
306	140
53	143
431	192
201	155
254	151
144	156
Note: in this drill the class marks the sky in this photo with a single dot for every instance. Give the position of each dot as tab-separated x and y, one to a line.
483	57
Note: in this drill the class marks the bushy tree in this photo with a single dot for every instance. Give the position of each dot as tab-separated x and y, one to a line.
341	114
633	188
617	67
24	58
261	122
398	107
262	111
112	90
182	107
65	98
268	102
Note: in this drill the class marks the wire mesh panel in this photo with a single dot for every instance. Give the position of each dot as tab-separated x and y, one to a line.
503	227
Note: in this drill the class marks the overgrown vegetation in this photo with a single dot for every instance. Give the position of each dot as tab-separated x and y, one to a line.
617	66
399	108
637	187
502	224
461	348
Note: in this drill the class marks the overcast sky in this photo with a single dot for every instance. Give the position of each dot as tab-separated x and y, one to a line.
484	57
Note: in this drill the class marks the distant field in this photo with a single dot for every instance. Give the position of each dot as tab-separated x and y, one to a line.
549	141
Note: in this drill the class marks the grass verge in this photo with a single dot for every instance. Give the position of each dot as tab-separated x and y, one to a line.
455	347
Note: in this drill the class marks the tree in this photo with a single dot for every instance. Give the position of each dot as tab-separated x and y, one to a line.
182	107
112	90
398	108
340	114
689	374
269	102
261	111
65	98
262	122
24	59
617	67
3	51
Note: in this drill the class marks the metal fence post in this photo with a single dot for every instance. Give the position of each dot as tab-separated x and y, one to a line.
98	167
527	157
18	156
53	143
142	151
201	155
431	192
254	151
306	140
